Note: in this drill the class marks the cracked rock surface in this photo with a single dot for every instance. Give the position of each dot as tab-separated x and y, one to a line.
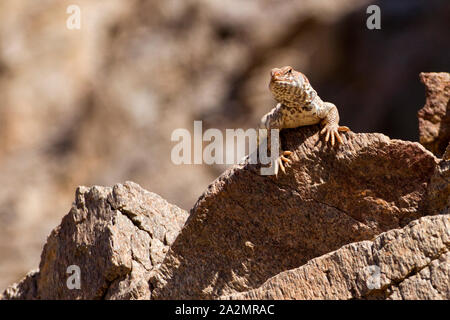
117	236
434	117
314	233
247	228
408	263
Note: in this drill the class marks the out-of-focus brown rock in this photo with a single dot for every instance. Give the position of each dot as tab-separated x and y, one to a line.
247	228
446	155
116	236
434	117
408	263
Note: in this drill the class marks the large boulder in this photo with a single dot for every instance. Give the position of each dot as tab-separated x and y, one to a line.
247	228
116	236
252	236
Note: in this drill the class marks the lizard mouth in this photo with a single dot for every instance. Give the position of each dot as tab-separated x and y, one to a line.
282	82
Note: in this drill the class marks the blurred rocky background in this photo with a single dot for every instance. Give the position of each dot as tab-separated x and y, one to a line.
97	106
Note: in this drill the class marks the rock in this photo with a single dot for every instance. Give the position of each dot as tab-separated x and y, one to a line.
446	155
24	290
438	192
434	117
408	263
247	228
116	236
321	231
88	102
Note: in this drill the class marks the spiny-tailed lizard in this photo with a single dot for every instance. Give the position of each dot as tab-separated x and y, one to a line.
299	105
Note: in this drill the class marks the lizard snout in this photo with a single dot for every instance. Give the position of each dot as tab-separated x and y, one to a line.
274	72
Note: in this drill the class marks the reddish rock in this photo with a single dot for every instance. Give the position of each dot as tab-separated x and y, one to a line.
252	236
434	117
408	263
247	228
116	236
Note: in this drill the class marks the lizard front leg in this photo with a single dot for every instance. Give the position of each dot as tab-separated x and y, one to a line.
274	120
331	123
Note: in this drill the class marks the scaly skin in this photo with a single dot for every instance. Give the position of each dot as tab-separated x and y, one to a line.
299	105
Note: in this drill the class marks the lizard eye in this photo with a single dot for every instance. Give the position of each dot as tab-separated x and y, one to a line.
289	70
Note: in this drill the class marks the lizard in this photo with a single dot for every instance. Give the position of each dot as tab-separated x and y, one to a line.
299	105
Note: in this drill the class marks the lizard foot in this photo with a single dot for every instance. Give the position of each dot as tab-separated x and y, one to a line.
282	159
332	131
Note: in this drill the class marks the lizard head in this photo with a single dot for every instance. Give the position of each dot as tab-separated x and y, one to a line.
286	83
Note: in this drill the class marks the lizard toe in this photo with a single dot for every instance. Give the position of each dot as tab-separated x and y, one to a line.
338	137
343	129
280	163
285	159
332	134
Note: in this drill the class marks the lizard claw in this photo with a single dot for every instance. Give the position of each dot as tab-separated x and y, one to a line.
332	131
283	162
280	163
